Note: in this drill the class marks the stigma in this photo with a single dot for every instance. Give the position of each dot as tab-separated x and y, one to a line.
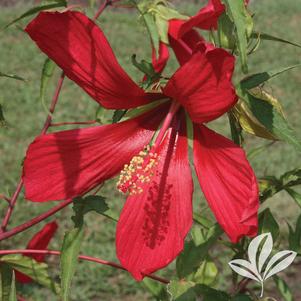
140	170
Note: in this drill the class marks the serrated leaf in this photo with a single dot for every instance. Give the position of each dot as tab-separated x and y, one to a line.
37	271
69	259
268	37
284	259
283	289
267	223
192	256
14	76
96	203
295	195
47	73
268	115
249	123
257	79
243	22
245	269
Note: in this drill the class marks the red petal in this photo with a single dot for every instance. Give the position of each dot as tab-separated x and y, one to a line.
80	48
205	19
160	62
153	225
203	85
184	47
228	182
67	164
39	241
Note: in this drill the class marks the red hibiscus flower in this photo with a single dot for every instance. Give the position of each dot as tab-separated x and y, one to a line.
183	38
154	169
39	241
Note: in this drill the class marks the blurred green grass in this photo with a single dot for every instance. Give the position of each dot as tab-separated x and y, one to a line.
25	116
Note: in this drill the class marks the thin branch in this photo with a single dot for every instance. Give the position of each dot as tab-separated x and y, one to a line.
34	221
43	131
82	257
5	198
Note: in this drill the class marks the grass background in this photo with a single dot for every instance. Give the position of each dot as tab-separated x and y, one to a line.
25	116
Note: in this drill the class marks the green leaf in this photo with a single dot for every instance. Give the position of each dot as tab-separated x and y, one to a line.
47	73
34	10
6	277
17	77
270	117
206	273
151	26
294	237
96	203
37	271
243	22
192	256
190	291
291	178
268	37
255	80
69	258
13	291
235	127
295	195
226	32
267	223
118	114
158	290
283	289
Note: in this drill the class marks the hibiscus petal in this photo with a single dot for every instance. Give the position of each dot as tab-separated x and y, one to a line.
228	182
203	85
205	19
160	62
183	48
153	225
39	241
81	49
67	164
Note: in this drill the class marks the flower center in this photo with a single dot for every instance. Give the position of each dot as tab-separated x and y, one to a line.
140	170
143	166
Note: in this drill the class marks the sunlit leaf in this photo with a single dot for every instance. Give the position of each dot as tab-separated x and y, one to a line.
192	256
37	271
47	73
243	22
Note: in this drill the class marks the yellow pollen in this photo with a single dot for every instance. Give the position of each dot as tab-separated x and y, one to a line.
138	171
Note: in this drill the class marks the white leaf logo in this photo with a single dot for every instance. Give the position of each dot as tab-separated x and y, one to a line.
258	267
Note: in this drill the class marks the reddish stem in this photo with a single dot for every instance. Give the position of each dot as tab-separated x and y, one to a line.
73	123
4	197
83	257
34	221
44	130
11	206
102	8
